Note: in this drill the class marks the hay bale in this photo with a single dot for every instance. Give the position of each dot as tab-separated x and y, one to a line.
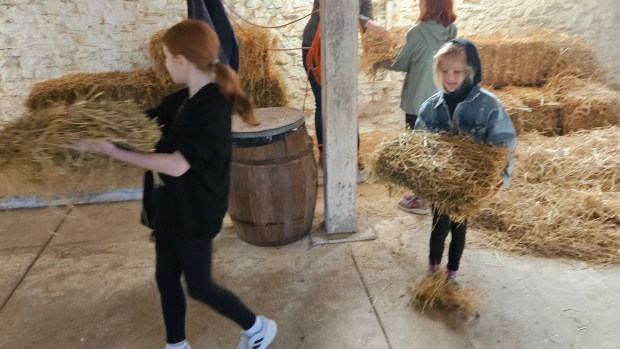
38	142
532	109
436	291
141	87
457	175
158	62
532	59
564	200
544	220
588	159
381	51
586	104
258	78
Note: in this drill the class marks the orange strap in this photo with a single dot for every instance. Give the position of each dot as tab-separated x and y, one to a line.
313	59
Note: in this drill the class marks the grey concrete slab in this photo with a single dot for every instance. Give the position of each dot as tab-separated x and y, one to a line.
93	287
525	302
103	223
23	233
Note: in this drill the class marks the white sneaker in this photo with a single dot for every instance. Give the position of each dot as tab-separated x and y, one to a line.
185	345
262	338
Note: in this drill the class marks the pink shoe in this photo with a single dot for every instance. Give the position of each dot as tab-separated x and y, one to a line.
414	205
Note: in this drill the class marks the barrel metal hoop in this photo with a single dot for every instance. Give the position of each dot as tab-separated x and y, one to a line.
277	161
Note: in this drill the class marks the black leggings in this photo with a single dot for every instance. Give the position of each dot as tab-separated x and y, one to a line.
410	120
192	258
441	226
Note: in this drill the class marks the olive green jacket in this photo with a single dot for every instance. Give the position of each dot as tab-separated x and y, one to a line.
416	59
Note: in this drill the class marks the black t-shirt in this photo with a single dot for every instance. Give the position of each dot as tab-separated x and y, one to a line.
193	204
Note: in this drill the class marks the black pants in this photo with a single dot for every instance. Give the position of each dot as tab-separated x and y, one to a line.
410	120
192	258
318	114
441	226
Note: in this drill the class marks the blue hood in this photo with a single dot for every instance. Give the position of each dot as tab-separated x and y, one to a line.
473	59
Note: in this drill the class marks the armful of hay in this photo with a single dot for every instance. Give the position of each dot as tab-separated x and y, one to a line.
456	174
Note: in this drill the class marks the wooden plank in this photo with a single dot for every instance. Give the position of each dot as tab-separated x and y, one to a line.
339	30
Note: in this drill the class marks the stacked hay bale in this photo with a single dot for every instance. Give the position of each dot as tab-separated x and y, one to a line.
586	103
457	175
258	78
158	61
532	109
532	59
144	87
533	97
141	87
528	87
564	200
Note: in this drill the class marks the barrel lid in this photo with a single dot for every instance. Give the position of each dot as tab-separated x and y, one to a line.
273	121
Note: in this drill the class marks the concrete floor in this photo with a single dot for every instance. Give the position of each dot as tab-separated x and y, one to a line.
82	277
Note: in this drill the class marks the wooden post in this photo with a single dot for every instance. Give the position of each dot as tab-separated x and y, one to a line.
339	30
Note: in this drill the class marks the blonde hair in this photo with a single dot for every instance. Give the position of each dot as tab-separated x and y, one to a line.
196	41
448	51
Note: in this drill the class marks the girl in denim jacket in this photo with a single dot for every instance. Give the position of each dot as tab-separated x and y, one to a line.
462	106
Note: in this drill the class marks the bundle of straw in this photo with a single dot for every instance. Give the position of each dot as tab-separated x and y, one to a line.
38	142
457	175
259	79
381	51
436	291
564	200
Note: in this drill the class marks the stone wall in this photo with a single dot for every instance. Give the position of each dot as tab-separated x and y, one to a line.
57	37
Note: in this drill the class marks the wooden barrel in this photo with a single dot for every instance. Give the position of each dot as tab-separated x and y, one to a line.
273	178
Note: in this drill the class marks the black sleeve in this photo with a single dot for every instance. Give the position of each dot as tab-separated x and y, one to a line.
205	138
166	111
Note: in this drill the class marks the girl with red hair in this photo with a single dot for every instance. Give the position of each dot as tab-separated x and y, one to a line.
188	178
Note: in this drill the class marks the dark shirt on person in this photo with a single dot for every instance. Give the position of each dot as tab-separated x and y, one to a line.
193	204
313	23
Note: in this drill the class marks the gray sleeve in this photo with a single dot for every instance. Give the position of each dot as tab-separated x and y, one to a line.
405	56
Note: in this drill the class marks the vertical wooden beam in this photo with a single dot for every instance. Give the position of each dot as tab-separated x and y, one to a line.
339	45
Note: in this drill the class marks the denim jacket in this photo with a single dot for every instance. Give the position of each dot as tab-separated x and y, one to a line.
481	115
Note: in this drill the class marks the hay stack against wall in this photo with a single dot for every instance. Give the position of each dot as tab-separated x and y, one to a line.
38	142
258	78
141	87
564	200
457	175
158	63
587	104
532	59
532	109
144	87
